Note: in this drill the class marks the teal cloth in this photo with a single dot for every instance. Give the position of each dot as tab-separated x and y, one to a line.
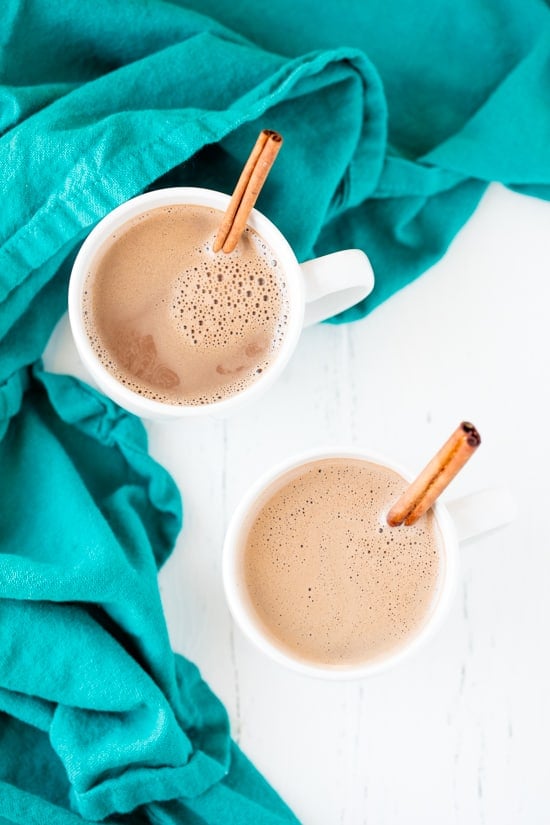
396	114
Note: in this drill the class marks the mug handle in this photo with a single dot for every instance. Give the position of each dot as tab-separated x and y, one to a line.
334	283
482	511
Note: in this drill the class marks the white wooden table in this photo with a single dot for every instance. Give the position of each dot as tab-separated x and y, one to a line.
459	735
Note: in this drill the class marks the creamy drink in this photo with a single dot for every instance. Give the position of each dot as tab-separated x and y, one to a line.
177	323
326	577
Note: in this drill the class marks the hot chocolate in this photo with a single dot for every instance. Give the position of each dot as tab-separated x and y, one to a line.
174	321
328	580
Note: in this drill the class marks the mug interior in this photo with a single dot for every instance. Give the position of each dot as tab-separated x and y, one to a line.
246	617
122	394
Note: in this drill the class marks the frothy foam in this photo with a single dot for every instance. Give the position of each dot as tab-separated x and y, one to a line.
328	579
176	322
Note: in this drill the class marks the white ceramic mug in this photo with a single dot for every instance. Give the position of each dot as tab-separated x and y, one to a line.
317	290
457	521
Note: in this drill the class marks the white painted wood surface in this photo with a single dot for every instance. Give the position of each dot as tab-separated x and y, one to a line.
459	734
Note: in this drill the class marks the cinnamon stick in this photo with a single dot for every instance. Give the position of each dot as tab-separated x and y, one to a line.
248	188
433	479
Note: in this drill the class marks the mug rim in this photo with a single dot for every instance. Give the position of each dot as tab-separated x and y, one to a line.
126	397
232	551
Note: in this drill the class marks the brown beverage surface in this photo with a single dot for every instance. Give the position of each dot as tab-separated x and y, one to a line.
177	323
330	582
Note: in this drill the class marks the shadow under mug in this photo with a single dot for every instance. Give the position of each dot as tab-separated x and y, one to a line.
457	521
317	290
